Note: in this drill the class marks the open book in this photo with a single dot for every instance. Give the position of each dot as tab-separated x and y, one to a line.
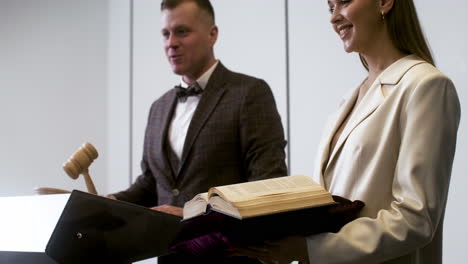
253	212
250	199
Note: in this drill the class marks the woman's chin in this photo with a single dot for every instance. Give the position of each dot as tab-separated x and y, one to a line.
348	48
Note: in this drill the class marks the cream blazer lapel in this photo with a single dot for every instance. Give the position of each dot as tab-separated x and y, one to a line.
366	107
332	126
376	95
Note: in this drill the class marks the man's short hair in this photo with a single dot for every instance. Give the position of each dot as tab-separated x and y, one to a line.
204	5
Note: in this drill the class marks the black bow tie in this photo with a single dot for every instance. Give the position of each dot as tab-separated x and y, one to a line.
182	93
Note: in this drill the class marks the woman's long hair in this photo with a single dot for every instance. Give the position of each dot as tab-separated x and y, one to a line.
405	31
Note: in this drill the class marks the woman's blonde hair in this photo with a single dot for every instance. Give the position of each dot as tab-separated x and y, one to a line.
405	31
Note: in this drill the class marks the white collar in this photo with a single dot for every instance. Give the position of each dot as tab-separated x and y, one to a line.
203	80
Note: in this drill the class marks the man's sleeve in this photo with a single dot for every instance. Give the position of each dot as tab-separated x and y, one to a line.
143	190
262	134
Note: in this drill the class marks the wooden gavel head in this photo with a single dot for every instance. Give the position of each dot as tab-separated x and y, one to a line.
79	162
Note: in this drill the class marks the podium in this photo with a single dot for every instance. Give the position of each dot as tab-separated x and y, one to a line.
82	228
26	225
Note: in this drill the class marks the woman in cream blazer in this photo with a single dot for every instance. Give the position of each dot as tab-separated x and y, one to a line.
395	154
391	144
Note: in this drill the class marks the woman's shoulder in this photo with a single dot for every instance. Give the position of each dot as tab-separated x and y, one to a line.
422	70
425	80
426	76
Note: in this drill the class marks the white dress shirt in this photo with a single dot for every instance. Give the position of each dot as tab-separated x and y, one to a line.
184	112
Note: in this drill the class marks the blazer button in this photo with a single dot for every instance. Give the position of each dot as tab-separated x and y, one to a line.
175	192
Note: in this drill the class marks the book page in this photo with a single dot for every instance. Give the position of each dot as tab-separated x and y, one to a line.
275	186
196	206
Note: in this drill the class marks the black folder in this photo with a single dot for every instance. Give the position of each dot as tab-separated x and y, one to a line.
95	229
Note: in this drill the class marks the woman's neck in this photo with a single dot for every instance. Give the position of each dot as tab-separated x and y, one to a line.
382	54
378	64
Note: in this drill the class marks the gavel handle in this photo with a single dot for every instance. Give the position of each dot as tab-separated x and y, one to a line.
49	190
89	182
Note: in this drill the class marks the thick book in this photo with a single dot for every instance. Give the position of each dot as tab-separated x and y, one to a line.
95	229
263	197
251	213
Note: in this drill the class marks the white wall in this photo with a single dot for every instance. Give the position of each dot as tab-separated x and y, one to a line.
151	73
52	91
119	96
446	32
253	41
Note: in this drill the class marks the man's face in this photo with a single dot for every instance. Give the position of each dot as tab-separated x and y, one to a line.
188	38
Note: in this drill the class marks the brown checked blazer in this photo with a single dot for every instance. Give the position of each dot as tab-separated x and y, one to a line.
235	135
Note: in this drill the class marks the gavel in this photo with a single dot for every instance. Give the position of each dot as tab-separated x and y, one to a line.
79	162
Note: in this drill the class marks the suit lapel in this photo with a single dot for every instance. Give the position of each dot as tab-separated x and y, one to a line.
165	117
208	102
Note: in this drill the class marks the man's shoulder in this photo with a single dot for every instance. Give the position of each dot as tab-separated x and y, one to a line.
166	99
239	76
240	83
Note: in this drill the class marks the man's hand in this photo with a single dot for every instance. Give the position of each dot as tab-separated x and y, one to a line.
110	196
278	251
169	209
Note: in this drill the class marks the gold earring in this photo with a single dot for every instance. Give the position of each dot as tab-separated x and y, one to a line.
383	15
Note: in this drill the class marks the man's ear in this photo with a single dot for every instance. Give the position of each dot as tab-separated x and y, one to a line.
213	34
386	5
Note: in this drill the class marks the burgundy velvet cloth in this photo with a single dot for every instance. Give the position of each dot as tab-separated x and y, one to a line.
213	233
